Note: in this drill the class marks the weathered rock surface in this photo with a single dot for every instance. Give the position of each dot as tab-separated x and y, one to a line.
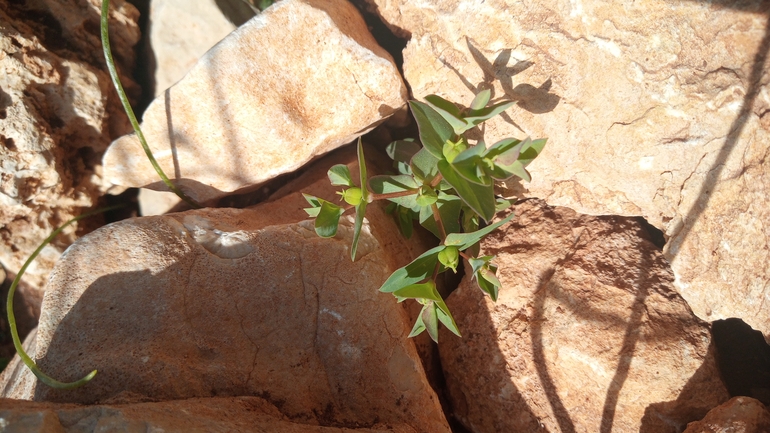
57	116
209	415
297	81
226	302
738	415
588	333
650	110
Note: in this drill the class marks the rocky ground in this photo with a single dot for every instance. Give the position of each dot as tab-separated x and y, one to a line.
634	273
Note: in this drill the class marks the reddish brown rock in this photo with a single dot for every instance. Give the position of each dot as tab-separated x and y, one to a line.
738	415
200	415
588	333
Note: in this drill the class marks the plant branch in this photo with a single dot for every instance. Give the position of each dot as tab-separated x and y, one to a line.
374	196
439	222
129	111
436	180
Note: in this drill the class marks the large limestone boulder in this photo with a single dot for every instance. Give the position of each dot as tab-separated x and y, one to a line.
57	116
200	415
650	110
588	333
297	81
227	302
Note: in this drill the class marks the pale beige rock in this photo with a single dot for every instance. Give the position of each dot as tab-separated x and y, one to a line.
223	302
297	81
180	33
204	415
738	415
588	334
638	101
57	116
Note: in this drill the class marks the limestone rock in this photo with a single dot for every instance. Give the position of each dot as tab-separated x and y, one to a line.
223	302
588	333
57	116
649	110
738	415
297	81
200	415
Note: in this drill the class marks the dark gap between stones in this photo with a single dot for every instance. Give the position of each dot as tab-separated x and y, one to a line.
743	358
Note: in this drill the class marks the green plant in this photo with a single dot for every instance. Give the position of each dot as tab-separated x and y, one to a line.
447	184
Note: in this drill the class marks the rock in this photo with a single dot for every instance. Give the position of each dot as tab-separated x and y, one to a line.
210	415
228	302
588	333
57	116
622	92
297	81
738	415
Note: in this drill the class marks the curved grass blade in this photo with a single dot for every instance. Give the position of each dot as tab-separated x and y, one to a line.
48	380
129	111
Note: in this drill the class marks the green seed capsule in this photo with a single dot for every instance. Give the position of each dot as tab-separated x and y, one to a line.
450	257
352	196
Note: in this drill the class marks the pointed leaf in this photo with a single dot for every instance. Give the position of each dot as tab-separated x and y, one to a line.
481	100
419	326
430	320
529	153
402	150
339	175
361	208
328	219
478	116
465	240
468	164
423	166
510	147
434	130
480	198
315	203
418	270
445	317
425	290
477	262
449	112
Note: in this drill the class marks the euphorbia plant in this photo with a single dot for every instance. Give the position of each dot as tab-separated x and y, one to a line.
447	184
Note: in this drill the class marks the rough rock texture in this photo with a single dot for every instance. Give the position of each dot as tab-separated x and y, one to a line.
651	108
209	415
57	116
739	415
588	334
297	81
223	302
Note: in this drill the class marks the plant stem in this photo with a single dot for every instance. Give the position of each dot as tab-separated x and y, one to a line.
129	111
48	380
373	196
436	180
439	222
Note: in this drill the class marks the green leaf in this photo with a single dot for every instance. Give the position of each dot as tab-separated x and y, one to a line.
328	219
426	290
405	217
477	262
361	208
445	317
430	320
423	166
402	150
426	197
434	130
488	282
419	326
481	100
451	149
418	270
468	164
480	198
531	151
502	204
315	203
484	114
465	240
449	112
506	148
339	175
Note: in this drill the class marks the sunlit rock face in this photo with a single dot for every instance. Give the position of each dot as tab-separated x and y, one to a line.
650	108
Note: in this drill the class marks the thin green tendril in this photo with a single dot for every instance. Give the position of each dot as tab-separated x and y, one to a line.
48	380
130	112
